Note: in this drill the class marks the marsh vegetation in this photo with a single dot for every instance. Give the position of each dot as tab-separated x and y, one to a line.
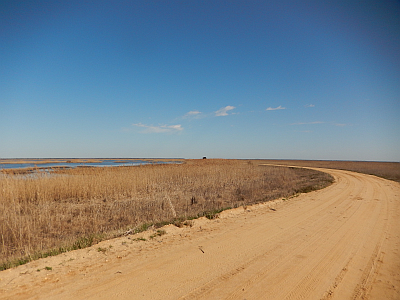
387	170
68	209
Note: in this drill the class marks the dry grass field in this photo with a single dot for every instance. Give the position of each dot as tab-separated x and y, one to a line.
48	213
387	170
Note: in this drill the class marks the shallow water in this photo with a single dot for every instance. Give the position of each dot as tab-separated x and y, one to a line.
104	163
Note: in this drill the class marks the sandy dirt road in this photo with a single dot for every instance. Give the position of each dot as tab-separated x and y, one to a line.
342	242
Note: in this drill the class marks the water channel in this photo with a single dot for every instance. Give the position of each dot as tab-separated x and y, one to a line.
99	163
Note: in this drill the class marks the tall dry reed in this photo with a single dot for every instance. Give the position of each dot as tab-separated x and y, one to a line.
46	210
388	170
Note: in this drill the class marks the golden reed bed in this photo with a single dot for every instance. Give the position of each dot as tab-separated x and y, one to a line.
387	170
65	209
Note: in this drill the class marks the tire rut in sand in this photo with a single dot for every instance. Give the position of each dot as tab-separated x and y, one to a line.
348	229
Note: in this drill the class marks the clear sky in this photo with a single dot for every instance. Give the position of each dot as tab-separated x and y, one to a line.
227	79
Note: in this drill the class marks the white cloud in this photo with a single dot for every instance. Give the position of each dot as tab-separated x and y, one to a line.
224	111
309	105
276	108
159	129
308	123
192	114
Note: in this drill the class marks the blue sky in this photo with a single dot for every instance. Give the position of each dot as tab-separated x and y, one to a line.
227	79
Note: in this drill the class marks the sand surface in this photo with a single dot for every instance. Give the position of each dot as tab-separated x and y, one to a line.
341	242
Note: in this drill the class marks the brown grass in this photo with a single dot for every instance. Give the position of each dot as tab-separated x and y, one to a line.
45	211
388	170
31	170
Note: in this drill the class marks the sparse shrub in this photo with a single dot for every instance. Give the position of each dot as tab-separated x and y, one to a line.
159	232
139	239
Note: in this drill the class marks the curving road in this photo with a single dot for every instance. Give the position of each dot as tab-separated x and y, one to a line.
341	242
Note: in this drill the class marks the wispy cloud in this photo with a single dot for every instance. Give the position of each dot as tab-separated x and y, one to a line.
224	111
307	123
309	105
276	108
193	114
160	128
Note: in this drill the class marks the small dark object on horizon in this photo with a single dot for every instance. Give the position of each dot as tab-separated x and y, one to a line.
204	157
